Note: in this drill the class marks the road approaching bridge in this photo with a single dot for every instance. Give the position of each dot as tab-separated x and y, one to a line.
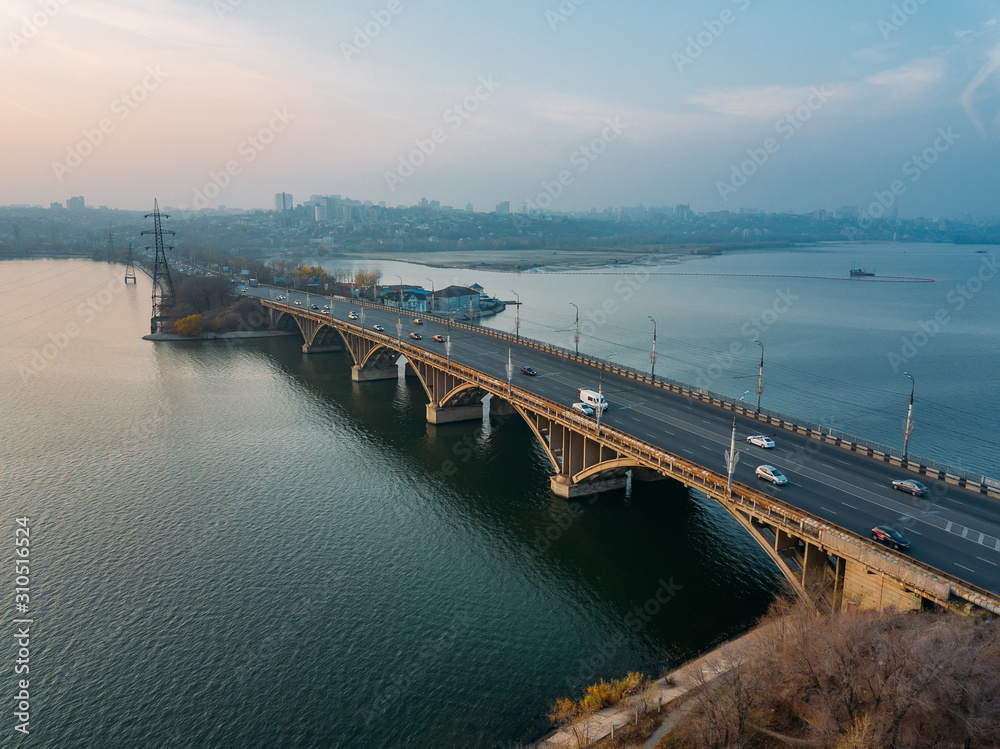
816	527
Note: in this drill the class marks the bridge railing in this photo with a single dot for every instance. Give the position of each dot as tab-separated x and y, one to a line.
972	480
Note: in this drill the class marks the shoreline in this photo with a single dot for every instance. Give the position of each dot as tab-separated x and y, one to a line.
234	335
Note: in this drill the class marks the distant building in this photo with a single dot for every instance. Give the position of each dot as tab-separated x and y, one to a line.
503	208
55	206
75	204
457	300
683	212
283	202
468	208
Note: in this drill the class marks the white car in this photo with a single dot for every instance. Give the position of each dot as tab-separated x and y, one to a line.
772	474
353	315
280	298
761	441
583	408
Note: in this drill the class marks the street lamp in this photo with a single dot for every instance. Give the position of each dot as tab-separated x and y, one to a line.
432	295
400	291
576	331
652	354
600	392
733	457
760	375
517	315
909	414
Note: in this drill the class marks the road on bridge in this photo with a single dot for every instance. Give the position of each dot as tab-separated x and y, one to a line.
953	529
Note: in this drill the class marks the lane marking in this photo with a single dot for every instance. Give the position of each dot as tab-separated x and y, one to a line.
963	567
827	509
847	505
988	561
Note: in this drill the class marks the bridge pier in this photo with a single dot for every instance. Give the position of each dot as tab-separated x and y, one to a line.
563	487
500	407
369	374
647	475
448	414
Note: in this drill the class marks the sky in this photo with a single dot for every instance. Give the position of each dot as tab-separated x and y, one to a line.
561	104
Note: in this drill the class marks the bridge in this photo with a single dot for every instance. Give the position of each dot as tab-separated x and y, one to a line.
816	528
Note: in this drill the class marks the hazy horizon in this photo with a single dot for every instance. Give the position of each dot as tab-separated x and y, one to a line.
568	105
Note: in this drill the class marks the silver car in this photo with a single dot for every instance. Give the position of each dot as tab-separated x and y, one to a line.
772	474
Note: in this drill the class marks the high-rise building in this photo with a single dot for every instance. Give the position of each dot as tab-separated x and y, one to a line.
683	212
504	207
468	208
283	202
75	204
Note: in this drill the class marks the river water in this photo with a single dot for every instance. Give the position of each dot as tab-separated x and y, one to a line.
236	546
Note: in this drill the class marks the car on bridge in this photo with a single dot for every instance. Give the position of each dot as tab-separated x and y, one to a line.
530	371
583	408
297	304
315	307
280	298
909	485
439	338
379	328
760	441
417	321
352	315
416	336
884	534
772	474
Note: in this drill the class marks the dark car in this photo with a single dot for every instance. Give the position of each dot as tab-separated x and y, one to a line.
439	338
530	371
909	485
890	537
416	336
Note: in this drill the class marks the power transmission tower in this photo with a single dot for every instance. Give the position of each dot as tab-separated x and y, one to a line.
111	248
164	297
130	266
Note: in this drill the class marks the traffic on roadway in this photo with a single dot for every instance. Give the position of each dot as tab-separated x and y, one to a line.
951	528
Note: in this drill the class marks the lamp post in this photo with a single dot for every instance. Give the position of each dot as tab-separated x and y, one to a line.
909	414
600	392
760	375
400	291
510	368
576	331
432	295
517	315
733	457
652	354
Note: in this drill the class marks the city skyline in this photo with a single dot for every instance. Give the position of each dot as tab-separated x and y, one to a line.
722	107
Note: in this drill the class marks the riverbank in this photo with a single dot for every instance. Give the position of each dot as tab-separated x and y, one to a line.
659	707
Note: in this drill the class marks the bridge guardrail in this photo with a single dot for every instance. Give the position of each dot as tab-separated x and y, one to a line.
971	480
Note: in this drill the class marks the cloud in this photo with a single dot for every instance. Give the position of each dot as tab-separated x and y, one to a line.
984	74
908	81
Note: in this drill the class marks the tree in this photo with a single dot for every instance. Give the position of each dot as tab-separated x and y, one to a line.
190	326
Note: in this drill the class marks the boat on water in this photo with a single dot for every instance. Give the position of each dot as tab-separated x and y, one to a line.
860	272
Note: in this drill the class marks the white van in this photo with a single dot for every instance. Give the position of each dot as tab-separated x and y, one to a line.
593	399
